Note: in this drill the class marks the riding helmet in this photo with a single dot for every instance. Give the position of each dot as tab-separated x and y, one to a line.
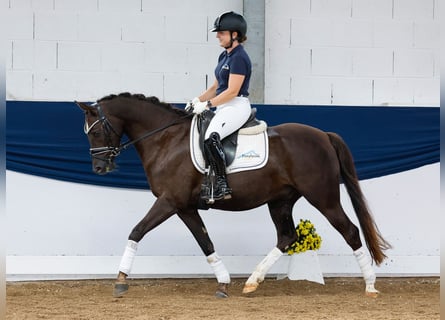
231	21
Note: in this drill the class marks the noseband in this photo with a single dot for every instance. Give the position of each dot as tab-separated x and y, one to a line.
114	151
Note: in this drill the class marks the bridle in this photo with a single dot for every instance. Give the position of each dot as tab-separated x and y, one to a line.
103	153
111	151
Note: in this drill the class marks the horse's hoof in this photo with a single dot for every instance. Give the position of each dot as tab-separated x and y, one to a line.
221	291
371	292
250	287
120	289
220	294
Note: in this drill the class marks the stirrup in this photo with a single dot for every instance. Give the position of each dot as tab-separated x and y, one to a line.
211	198
206	192
208	188
223	192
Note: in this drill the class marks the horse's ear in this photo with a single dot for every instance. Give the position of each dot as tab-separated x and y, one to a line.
83	106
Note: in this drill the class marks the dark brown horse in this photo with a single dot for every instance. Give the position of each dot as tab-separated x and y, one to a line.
303	162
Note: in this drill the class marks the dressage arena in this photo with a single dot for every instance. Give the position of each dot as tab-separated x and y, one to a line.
367	70
168	299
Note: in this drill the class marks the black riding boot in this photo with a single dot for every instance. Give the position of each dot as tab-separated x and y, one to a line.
217	161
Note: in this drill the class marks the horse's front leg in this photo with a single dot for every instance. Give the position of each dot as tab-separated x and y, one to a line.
159	212
281	214
193	221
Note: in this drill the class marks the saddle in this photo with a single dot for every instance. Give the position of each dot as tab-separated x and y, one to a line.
229	143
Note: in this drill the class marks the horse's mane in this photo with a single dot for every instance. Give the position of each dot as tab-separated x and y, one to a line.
151	99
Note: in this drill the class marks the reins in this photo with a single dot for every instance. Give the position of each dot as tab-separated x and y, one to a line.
125	145
115	151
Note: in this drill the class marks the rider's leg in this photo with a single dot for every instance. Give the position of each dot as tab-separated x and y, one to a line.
217	160
228	118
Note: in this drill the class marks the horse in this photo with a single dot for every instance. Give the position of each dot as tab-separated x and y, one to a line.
303	161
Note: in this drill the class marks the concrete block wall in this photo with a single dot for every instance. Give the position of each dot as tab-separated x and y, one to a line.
352	52
62	50
317	52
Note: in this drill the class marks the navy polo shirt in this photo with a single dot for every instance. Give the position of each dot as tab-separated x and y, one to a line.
235	62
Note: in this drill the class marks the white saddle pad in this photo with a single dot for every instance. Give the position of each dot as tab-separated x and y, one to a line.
252	151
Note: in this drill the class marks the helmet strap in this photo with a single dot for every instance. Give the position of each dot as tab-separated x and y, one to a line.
231	41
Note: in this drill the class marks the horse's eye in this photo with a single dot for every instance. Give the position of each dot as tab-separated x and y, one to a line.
96	134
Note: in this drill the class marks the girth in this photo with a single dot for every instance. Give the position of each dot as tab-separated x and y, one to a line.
230	142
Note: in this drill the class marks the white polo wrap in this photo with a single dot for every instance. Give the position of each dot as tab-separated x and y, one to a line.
128	257
263	267
364	261
218	267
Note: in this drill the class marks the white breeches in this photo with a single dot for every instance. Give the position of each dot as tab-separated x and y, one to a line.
229	117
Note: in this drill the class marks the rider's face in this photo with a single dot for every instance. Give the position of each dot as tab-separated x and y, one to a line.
224	38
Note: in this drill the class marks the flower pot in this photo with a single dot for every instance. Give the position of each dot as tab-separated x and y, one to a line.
305	266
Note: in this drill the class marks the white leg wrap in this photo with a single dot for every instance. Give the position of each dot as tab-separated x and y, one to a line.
218	267
264	266
364	261
128	257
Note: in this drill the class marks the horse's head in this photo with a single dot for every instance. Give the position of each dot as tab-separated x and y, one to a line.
104	137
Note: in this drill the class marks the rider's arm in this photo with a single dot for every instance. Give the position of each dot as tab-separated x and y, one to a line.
210	92
234	87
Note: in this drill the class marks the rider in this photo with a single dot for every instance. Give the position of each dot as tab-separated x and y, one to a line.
228	94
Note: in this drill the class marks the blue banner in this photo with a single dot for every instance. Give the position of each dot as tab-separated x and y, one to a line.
46	139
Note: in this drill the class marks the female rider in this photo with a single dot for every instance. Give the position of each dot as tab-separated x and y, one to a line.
228	94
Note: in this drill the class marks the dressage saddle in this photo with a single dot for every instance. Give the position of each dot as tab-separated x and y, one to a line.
230	142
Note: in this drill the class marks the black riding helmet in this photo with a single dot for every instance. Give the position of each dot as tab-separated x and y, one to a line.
231	21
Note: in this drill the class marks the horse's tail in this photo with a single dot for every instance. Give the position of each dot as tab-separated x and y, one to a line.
374	240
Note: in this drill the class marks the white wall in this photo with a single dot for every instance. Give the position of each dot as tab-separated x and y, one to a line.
62	50
65	230
348	52
359	52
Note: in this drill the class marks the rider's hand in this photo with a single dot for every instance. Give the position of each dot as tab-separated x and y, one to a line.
190	104
199	107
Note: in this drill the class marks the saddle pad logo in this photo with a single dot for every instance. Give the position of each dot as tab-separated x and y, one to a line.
252	151
249	154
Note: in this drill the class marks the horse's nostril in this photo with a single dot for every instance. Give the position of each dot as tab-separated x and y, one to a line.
98	169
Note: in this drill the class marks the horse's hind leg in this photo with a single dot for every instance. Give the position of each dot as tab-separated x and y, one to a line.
341	222
281	213
196	226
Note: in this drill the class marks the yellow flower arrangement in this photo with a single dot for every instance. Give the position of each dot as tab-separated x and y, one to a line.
308	239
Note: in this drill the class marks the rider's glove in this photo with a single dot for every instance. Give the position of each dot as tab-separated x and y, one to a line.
190	104
199	107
